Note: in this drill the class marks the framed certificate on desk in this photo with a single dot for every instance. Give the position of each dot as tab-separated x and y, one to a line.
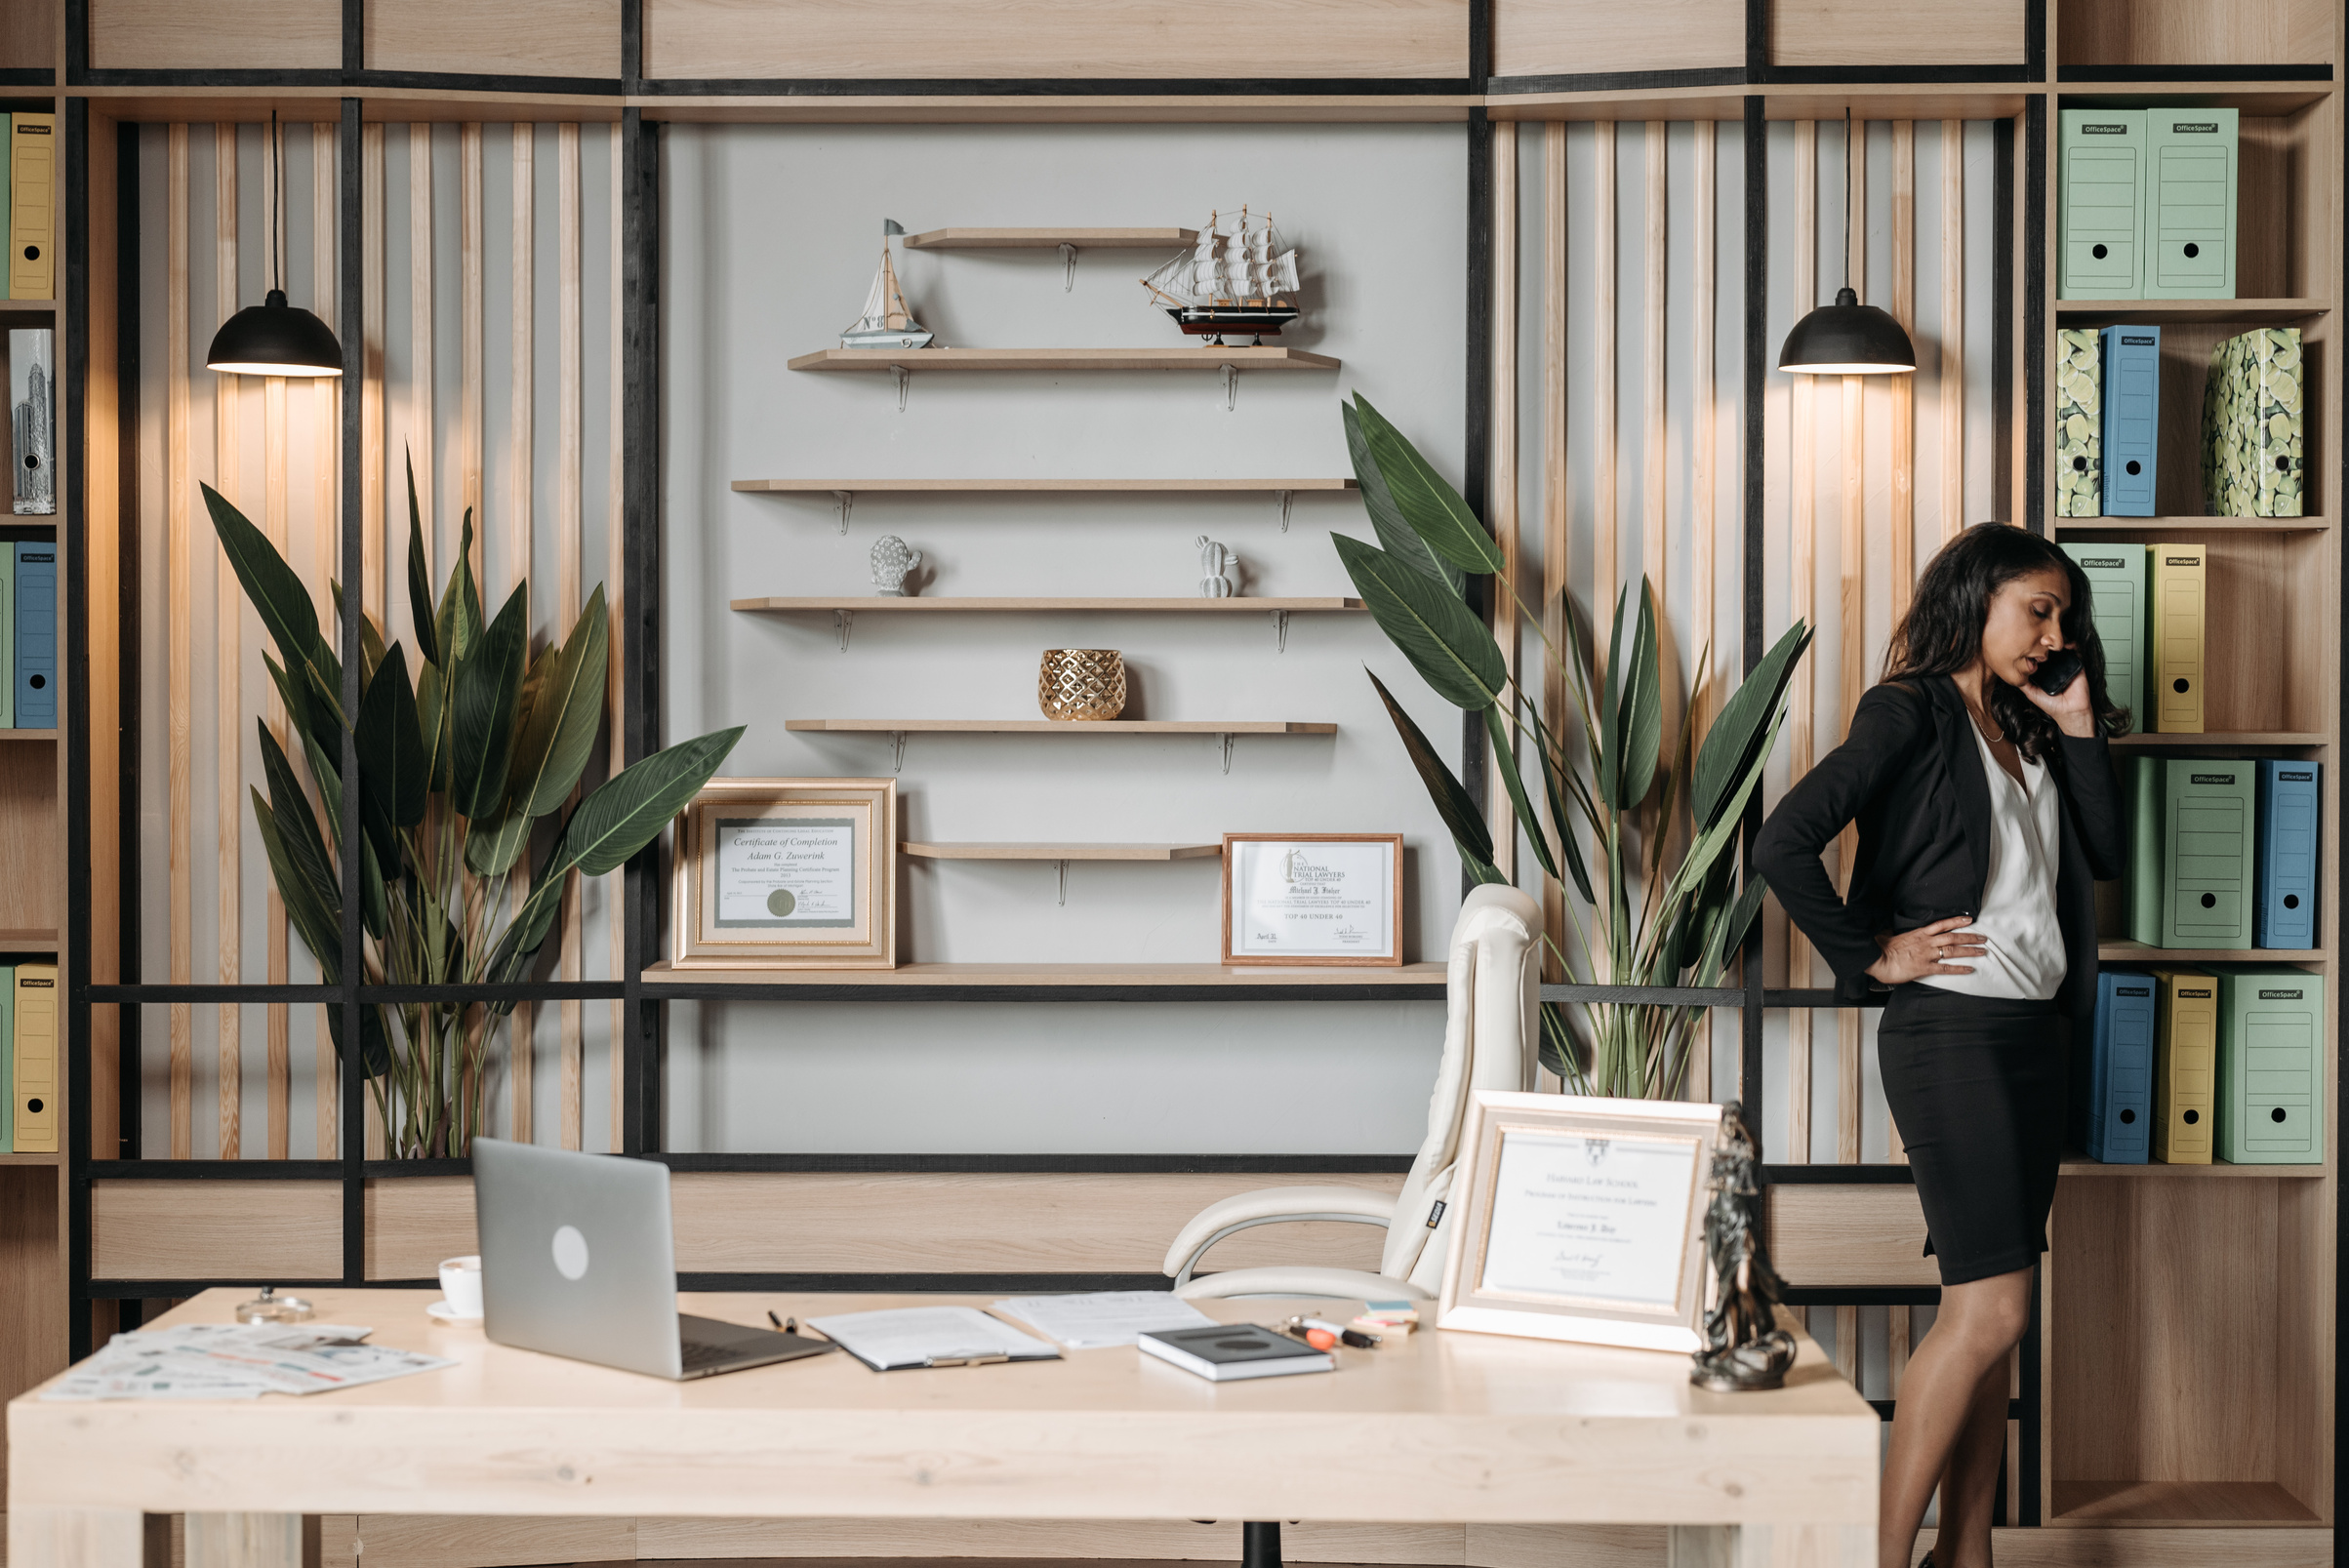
795	874
1313	899
1581	1218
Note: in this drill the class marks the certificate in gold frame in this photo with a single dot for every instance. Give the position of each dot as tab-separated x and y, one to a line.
1313	850
1581	1218
787	874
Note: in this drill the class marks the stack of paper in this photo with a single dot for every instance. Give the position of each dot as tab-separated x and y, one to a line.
237	1362
1099	1319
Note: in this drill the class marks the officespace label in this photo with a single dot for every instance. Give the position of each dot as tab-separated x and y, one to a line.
2184	992
2194	127
2131	990
2297	778
2181	560
2213	777
2279	997
2115	564
2142	343
2104	130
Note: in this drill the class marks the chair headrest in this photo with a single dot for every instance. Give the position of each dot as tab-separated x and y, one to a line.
1492	901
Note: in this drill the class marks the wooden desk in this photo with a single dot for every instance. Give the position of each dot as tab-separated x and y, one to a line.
1441	1427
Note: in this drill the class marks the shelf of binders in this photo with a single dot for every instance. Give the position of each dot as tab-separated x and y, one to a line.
2192	525
2266	739
2247	313
2075	1163
2118	951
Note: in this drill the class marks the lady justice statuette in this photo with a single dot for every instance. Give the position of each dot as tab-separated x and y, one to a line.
1745	1348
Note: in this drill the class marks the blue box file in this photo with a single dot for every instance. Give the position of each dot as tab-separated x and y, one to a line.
2112	1120
36	636
2290	806
2133	419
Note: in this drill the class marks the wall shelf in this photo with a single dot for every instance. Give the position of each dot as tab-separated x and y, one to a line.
1210	356
1041	487
2196	525
2111	951
1061	851
2306	739
863	603
2249	312
1057	727
2176	1503
27	735
1046	239
1067	981
2077	1164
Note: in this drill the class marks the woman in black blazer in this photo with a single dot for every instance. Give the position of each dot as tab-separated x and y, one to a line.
1986	809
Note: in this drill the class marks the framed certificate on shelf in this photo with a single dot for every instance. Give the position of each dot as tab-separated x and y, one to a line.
791	873
1313	899
1581	1218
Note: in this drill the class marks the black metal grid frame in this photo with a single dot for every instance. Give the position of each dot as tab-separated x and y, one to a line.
644	1002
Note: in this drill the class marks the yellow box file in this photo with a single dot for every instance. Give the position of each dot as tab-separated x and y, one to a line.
32	207
2185	1066
2175	699
37	1076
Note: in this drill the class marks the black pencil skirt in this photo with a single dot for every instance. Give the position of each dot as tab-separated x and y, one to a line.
1976	1086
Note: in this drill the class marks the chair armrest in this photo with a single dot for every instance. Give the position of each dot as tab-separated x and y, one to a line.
1339	1284
1269	1205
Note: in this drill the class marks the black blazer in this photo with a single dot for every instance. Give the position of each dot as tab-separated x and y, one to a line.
1912	775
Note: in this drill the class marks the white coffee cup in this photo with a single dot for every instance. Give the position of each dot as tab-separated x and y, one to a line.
460	1284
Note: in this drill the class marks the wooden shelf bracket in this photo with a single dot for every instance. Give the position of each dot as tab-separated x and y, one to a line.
904	379
841	620
1067	256
1231	387
848	501
1281	633
1287	498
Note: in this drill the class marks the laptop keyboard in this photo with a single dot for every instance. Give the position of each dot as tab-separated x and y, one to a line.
700	1354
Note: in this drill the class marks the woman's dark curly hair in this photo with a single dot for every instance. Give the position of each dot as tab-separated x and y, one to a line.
1942	632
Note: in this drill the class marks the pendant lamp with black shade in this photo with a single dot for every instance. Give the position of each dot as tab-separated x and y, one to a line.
275	337
1847	338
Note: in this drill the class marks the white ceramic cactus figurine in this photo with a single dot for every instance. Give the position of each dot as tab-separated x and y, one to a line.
1214	561
892	564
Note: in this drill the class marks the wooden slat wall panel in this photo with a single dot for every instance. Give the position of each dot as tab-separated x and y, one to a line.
569	541
896	1223
227	616
1953	329
1560	37
1555	545
1652	433
216	35
1803	564
520	1028
523	37
1501	511
1606	571
179	486
325	525
1895	32
1045	38
1701	479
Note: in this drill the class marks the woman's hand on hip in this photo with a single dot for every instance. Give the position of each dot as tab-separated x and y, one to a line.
1927	950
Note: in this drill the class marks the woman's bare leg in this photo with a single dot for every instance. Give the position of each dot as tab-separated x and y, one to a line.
1969	1484
1940	1401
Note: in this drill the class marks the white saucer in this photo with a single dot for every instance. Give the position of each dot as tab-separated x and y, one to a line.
442	1313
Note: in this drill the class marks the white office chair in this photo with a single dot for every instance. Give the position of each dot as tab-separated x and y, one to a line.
1491	1019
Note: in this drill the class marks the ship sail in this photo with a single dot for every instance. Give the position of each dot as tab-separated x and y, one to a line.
885	322
1242	278
1235	259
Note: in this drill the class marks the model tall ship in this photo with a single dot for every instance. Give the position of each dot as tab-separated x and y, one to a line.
886	322
1240	278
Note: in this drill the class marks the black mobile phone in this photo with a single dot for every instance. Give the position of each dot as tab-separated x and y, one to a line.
2061	666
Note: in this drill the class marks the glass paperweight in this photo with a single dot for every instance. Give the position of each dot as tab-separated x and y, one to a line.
271	1307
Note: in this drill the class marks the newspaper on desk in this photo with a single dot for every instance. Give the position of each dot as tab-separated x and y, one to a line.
237	1362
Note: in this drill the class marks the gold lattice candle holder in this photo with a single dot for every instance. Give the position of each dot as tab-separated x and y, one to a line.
1081	683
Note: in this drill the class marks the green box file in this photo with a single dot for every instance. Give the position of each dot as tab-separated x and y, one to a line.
2251	439
2141	780
2101	200
2208	852
2078	424
8	1058
2116	574
2271	1076
2190	190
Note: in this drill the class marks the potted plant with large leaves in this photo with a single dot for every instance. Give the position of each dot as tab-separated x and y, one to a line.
463	765
1647	919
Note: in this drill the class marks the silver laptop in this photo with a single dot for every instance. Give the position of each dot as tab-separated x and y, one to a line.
577	1261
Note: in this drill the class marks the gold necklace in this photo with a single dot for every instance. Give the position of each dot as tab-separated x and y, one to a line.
1993	740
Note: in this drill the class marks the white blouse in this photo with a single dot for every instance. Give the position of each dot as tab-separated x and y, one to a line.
2018	922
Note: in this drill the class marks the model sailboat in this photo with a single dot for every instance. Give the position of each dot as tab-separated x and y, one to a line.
1237	278
886	322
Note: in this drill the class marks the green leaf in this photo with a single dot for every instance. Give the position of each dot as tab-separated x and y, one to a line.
1608	762
489	684
495	843
459	621
1453	803
1448	646
565	712
1507	756
276	593
1394	535
371	637
622	814
310	721
1639	714
1426	498
317	924
1737	741
298	828
419	582
392	764
433	716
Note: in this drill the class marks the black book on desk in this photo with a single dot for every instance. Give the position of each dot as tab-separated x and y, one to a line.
1224	1352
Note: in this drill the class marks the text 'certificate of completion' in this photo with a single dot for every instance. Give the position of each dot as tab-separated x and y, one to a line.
785	873
1313	899
1593	1218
